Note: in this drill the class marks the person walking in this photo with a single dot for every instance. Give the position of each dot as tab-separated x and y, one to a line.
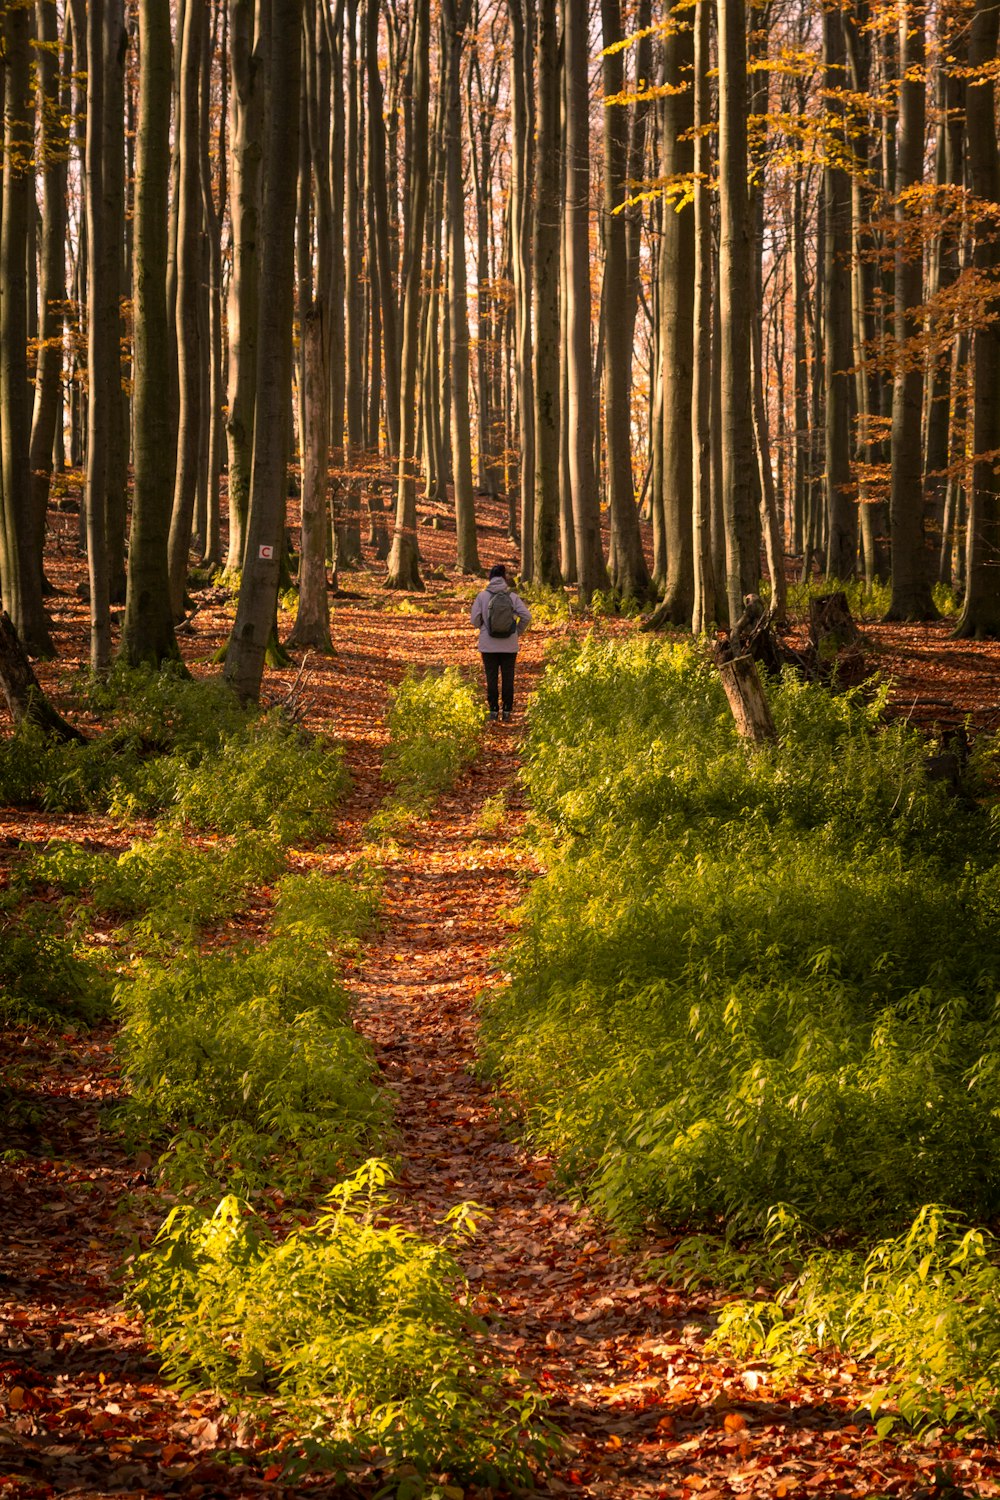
502	619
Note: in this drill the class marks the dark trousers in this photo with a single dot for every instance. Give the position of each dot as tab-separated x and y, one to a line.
497	664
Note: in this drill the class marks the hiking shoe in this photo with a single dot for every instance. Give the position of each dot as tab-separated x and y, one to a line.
493	716
508	714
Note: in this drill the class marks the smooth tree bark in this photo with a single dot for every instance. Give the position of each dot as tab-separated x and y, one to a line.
192	395
980	615
544	554
214	213
403	566
521	178
864	213
838	360
54	149
455	19
592	574
20	573
255	613
349	531
911	587
247	41
676	312
105	39
388	301
148	628
742	558
312	622
704	609
630	576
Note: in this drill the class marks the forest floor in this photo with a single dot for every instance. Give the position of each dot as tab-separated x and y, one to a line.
646	1411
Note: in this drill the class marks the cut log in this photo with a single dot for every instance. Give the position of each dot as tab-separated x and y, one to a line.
25	699
747	699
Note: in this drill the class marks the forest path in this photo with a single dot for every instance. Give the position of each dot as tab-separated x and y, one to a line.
577	1315
84	1411
645	1409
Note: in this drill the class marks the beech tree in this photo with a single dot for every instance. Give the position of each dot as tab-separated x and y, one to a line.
255	612
535	254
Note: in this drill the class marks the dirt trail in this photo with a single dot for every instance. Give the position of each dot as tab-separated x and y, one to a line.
645	1411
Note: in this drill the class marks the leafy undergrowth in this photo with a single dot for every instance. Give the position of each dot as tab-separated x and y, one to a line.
346	1341
435	723
650	1413
769	977
359	1332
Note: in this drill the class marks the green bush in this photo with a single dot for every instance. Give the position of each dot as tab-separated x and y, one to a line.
247	1057
176	886
359	1331
435	725
924	1307
183	747
45	977
751	976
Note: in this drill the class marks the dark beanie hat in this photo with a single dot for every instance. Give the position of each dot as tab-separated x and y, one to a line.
498	571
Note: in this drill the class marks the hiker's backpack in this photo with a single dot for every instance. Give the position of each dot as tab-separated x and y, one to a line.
501	621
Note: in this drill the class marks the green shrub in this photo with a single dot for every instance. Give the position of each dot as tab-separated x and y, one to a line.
184	747
751	976
45	977
360	1334
176	886
924	1307
335	914
865	603
435	724
247	1056
268	776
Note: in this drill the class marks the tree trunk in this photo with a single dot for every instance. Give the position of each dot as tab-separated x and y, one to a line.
20	573
841	509
105	29
545	246
265	528
704	610
247	20
591	571
148	630
312	623
189	276
742	559
349	536
403	569
631	575
677	336
381	248
911	590
52	288
25	700
980	615
522	173
455	18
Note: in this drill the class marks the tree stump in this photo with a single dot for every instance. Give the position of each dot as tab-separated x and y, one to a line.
835	639
747	699
831	624
25	699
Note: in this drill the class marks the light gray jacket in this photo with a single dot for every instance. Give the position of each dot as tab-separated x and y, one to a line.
480	606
